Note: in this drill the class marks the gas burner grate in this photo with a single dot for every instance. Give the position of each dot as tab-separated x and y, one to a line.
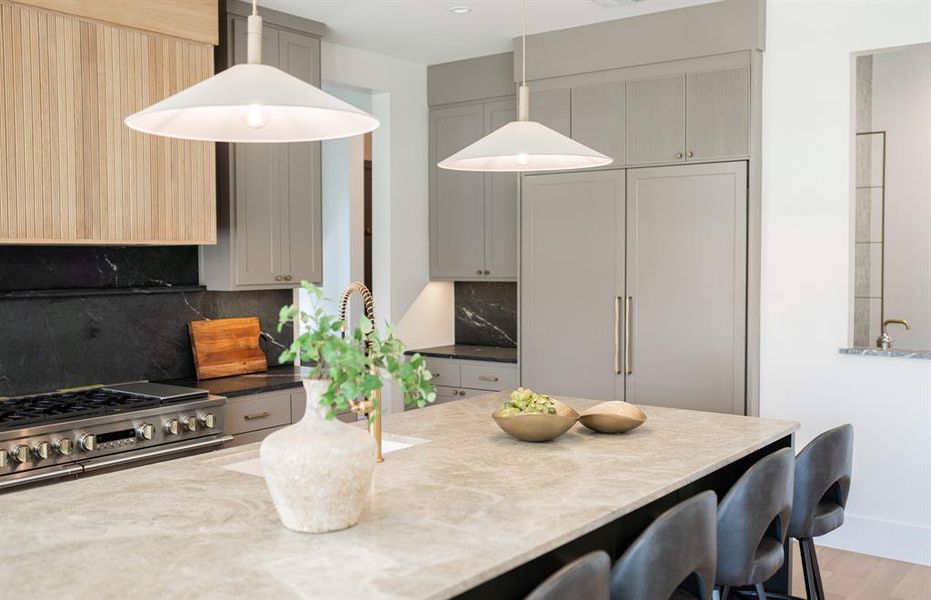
16	413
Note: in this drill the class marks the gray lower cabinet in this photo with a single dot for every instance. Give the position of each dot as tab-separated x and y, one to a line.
269	213
458	379
251	418
473	216
645	300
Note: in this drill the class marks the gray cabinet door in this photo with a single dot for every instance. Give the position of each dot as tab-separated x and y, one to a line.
552	108
501	228
686	279
300	215
572	274
257	194
598	118
718	114
457	199
656	120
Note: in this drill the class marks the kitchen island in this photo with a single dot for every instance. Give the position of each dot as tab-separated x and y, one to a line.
468	511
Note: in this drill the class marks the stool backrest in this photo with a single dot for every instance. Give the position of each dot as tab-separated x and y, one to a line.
585	577
756	507
678	545
822	474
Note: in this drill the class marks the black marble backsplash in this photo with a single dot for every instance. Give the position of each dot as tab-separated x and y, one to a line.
486	313
117	314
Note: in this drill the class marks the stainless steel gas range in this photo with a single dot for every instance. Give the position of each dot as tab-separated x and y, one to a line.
67	434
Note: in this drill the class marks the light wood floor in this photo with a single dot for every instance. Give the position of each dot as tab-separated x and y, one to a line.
852	576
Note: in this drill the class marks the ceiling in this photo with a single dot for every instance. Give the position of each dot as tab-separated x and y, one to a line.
426	32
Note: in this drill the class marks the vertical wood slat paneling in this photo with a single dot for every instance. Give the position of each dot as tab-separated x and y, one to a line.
70	171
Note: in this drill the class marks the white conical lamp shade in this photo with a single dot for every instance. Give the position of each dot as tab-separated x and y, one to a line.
524	146
253	103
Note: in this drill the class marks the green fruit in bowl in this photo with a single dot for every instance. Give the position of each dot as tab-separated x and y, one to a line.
525	401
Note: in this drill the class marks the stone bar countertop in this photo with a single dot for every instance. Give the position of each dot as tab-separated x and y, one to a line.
469	352
889	352
448	514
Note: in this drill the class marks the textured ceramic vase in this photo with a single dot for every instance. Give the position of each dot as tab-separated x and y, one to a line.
318	471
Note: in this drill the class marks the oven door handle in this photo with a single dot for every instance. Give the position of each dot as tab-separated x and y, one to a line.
15	479
130	457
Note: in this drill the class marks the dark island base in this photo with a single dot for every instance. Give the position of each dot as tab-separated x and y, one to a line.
615	537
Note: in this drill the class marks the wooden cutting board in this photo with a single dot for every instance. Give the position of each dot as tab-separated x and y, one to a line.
224	347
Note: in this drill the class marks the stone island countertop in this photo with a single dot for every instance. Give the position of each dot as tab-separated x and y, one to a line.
443	516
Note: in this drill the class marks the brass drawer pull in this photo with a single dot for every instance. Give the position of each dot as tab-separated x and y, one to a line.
487	378
256	416
628	300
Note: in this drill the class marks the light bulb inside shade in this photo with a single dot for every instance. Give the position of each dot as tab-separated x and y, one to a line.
523	159
255	116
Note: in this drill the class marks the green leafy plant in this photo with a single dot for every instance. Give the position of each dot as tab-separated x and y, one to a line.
353	361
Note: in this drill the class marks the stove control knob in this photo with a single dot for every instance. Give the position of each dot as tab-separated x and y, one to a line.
43	450
4	458
146	431
89	442
190	423
208	420
173	427
21	454
65	446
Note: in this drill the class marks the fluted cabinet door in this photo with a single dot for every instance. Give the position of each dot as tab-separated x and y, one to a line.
718	114
71	172
656	120
572	277
501	228
598	118
457	199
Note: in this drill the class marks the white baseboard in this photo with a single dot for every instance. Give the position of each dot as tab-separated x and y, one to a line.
889	539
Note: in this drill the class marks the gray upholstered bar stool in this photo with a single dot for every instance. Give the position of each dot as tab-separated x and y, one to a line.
585	577
822	483
673	558
753	520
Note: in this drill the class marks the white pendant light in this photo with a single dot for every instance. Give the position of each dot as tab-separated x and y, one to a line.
524	145
253	103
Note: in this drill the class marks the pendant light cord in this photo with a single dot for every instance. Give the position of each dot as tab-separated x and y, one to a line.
523	42
255	9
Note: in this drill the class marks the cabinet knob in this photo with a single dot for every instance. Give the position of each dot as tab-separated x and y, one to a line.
487	272
678	155
691	154
478	272
287	278
279	278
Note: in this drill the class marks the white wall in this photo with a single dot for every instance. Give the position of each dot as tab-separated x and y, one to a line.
807	199
422	311
902	108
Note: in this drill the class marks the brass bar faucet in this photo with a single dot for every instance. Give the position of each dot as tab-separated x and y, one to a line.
370	407
885	340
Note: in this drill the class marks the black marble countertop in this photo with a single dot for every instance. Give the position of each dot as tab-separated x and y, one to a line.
276	378
468	352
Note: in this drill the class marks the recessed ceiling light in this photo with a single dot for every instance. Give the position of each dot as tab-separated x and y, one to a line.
460	10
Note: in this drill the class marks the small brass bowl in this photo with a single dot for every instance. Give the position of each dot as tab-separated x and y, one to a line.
612	417
537	427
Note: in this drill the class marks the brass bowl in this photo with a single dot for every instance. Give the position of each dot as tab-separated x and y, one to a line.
537	427
612	417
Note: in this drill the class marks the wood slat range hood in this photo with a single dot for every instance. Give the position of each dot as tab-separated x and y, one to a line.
70	171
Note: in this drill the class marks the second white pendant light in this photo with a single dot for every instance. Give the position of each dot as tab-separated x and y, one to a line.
253	103
524	145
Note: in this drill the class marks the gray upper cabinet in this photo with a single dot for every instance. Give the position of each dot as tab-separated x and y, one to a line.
457	199
500	204
269	212
598	118
718	114
656	120
473	216
552	108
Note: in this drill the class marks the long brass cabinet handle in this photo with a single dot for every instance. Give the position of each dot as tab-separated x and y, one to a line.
487	378
617	341
628	300
260	415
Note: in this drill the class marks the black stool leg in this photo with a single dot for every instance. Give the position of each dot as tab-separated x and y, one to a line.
725	592
760	592
815	570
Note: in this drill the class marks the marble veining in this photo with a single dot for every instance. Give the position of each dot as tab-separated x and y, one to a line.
891	352
441	518
486	313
